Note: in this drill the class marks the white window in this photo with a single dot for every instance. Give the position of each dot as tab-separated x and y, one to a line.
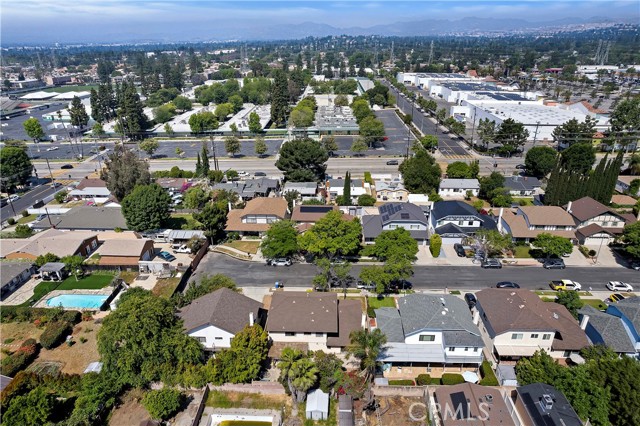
466	349
546	337
218	338
251	219
319	334
517	336
290	334
452	349
534	336
475	349
414	226
202	339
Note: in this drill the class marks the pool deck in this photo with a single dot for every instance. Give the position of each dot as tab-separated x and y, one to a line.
42	303
213	416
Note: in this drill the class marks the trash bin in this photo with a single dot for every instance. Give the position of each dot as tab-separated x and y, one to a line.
277	284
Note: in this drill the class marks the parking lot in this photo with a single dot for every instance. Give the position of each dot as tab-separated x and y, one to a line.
13	127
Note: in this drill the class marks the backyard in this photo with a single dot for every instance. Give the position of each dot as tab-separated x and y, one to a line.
165	287
90	282
255	401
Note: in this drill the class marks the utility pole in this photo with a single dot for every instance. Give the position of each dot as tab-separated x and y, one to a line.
213	149
50	172
535	134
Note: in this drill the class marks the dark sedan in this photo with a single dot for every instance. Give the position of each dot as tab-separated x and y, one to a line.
507	284
471	300
491	264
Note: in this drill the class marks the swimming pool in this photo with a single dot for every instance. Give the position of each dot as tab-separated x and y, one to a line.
83	301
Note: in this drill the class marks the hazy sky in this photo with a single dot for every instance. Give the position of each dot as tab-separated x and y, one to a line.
31	21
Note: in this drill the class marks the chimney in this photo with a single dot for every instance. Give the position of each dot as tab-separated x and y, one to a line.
584	322
569	206
500	219
251	319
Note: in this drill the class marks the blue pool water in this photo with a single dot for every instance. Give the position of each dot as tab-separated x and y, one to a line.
87	301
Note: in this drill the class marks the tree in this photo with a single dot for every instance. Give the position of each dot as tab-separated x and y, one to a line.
46	258
196	197
492	241
330	144
279	98
375	275
553	245
164	113
207	284
260	146
634	164
149	146
143	340
631	238
254	123
441	114
458	170
346	190
366	200
341	101
429	142
33	129
203	122
435	244
15	168
488	184
332	236
132	121
204	163
23	231
169	130
213	218
487	131
329	370
301	117
232	145
361	109
163	403
242	362
298	372
371	129
182	103
74	265
573	132
578	158
97	130
302	160
540	160
146	207
366	346
32	409
281	240
124	171
421	173
393	245
571	301
78	114
511	135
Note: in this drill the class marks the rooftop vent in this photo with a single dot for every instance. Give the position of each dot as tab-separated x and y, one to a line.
489	398
547	402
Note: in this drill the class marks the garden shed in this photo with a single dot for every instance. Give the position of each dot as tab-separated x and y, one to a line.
317	405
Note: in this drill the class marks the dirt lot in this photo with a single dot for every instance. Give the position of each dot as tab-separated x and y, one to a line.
130	412
395	411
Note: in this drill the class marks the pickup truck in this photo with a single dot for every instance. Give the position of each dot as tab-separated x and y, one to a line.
560	285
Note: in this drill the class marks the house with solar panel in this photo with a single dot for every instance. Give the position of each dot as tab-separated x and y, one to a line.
397	215
455	220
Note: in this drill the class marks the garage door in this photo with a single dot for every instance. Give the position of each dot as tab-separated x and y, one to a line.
452	240
595	241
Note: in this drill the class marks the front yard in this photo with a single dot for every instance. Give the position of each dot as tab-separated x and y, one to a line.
244	246
378	302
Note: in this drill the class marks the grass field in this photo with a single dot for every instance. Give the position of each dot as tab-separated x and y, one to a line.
75	358
65	89
522	252
598	304
90	282
245	246
40	290
165	287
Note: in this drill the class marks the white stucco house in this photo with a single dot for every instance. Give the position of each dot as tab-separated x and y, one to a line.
458	188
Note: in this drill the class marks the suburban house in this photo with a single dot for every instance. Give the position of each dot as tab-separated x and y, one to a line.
527	222
519	323
458	188
596	223
182	236
540	404
390	190
173	184
306	190
455	220
125	252
335	188
628	310
13	275
54	241
90	188
250	188
215	318
471	404
88	218
396	215
623	183
306	216
522	186
257	216
429	330
607	329
311	321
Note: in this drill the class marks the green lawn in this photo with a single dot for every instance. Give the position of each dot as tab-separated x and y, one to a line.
523	201
385	302
244	246
90	282
27	219
65	89
522	252
598	304
181	221
40	290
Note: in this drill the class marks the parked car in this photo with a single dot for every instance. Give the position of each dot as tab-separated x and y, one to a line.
242	173
167	256
471	300
635	265
553	264
560	285
364	286
180	248
459	248
521	167
401	285
392	163
40	217
261	174
3	202
66	167
616	297
53	148
507	284
283	261
13	197
619	286
491	263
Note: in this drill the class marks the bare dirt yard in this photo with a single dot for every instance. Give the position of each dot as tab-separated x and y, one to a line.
130	412
398	411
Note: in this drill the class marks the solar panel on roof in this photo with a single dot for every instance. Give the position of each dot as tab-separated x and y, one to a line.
460	406
404	215
315	209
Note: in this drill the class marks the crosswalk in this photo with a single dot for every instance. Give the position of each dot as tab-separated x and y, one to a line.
458	156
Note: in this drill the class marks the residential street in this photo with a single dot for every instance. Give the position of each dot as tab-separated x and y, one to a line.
25	201
425	277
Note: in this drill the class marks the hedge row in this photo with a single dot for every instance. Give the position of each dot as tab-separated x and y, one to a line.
423	380
20	359
401	383
54	334
488	376
451	379
27	314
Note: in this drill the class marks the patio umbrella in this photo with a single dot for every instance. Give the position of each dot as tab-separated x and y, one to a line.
470	376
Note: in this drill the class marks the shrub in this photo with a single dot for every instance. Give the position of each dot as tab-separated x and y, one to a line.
11	221
435	244
423	380
23	231
28	314
488	376
71	316
401	383
451	379
83	339
20	359
24	213
164	403
54	334
7	341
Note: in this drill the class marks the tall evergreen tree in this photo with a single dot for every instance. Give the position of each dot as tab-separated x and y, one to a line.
198	166
551	192
596	180
347	188
279	98
132	120
204	167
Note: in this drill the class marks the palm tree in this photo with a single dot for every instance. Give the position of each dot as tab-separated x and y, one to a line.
302	376
634	164
367	346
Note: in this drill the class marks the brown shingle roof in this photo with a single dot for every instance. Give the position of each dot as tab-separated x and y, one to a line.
302	312
547	215
586	208
472	397
258	206
125	247
519	228
590	230
91	183
623	200
349	319
310	213
223	308
523	310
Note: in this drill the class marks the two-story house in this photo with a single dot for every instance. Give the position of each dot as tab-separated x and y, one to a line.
455	220
628	310
519	323
335	188
429	330
390	191
596	223
257	216
396	215
540	404
215	318
90	188
311	321
522	186
527	222
250	188
610	330
458	188
305	216
623	183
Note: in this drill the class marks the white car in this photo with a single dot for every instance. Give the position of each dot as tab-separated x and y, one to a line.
13	197
53	148
619	286
242	173
181	248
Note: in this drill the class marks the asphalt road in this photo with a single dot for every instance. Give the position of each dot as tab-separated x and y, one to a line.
425	277
25	201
